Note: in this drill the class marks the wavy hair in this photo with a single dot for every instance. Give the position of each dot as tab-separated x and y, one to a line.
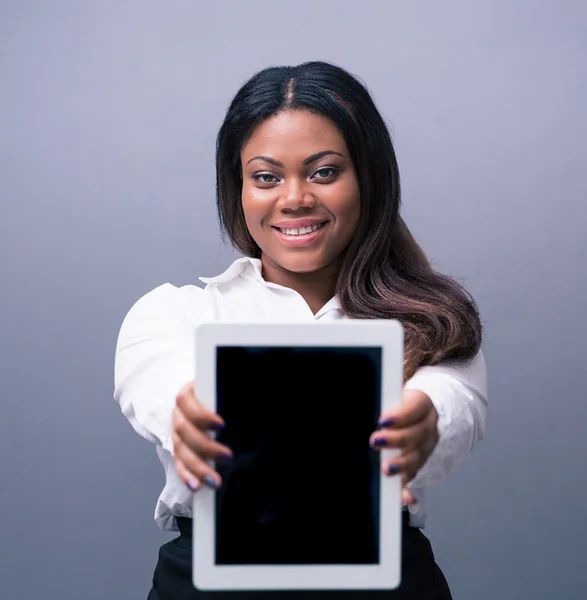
384	274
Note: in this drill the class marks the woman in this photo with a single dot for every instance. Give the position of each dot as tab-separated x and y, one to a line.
308	191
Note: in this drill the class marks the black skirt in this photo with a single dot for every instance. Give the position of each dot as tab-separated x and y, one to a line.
422	579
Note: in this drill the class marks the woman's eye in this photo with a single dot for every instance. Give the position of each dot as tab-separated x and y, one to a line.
265	178
324	173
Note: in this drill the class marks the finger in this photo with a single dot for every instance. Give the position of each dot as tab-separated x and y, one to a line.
415	407
197	440
397	467
192	482
195	464
195	411
407	497
406	464
400	438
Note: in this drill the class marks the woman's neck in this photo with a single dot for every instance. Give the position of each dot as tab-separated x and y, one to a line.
315	287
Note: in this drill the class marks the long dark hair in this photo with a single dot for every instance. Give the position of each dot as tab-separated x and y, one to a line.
385	273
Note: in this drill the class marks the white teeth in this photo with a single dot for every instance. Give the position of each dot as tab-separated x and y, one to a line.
301	230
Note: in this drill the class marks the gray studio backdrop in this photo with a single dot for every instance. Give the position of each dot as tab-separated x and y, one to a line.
108	117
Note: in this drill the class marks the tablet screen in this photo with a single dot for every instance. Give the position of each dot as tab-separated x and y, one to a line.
303	487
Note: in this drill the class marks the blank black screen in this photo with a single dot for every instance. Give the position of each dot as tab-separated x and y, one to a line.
303	487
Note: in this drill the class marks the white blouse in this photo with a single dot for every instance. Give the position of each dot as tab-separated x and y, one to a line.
155	360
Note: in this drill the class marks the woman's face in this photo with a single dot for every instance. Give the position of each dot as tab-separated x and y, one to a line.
300	192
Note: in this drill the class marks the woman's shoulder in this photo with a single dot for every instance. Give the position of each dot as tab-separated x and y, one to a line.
180	304
170	302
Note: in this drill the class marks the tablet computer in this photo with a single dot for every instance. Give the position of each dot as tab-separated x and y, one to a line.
303	504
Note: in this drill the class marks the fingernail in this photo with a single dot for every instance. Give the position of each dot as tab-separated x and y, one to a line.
378	442
210	482
392	469
193	485
225	458
387	422
217	426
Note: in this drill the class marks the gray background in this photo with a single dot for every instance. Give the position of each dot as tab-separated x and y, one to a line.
108	116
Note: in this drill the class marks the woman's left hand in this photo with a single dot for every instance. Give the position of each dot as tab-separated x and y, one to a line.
410	427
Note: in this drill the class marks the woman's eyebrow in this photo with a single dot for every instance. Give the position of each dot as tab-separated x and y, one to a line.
266	159
320	155
307	161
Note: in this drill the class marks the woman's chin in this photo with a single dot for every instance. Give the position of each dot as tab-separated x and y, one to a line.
302	265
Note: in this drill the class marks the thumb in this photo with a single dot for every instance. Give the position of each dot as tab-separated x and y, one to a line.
407	497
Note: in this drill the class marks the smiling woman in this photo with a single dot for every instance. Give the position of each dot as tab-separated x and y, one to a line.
308	190
270	158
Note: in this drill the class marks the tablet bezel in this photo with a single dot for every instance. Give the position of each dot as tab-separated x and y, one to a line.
206	574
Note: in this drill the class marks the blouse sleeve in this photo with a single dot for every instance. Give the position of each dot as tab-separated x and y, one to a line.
155	357
459	393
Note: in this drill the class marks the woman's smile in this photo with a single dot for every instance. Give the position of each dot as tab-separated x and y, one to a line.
300	233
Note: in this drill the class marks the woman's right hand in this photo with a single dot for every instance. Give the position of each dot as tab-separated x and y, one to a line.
192	446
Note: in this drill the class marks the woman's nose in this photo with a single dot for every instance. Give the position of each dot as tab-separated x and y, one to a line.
296	196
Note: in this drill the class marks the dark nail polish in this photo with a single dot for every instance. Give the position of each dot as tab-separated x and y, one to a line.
192	485
210	482
224	458
217	426
378	442
387	423
392	469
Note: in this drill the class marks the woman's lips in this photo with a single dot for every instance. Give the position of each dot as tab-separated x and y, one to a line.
287	235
